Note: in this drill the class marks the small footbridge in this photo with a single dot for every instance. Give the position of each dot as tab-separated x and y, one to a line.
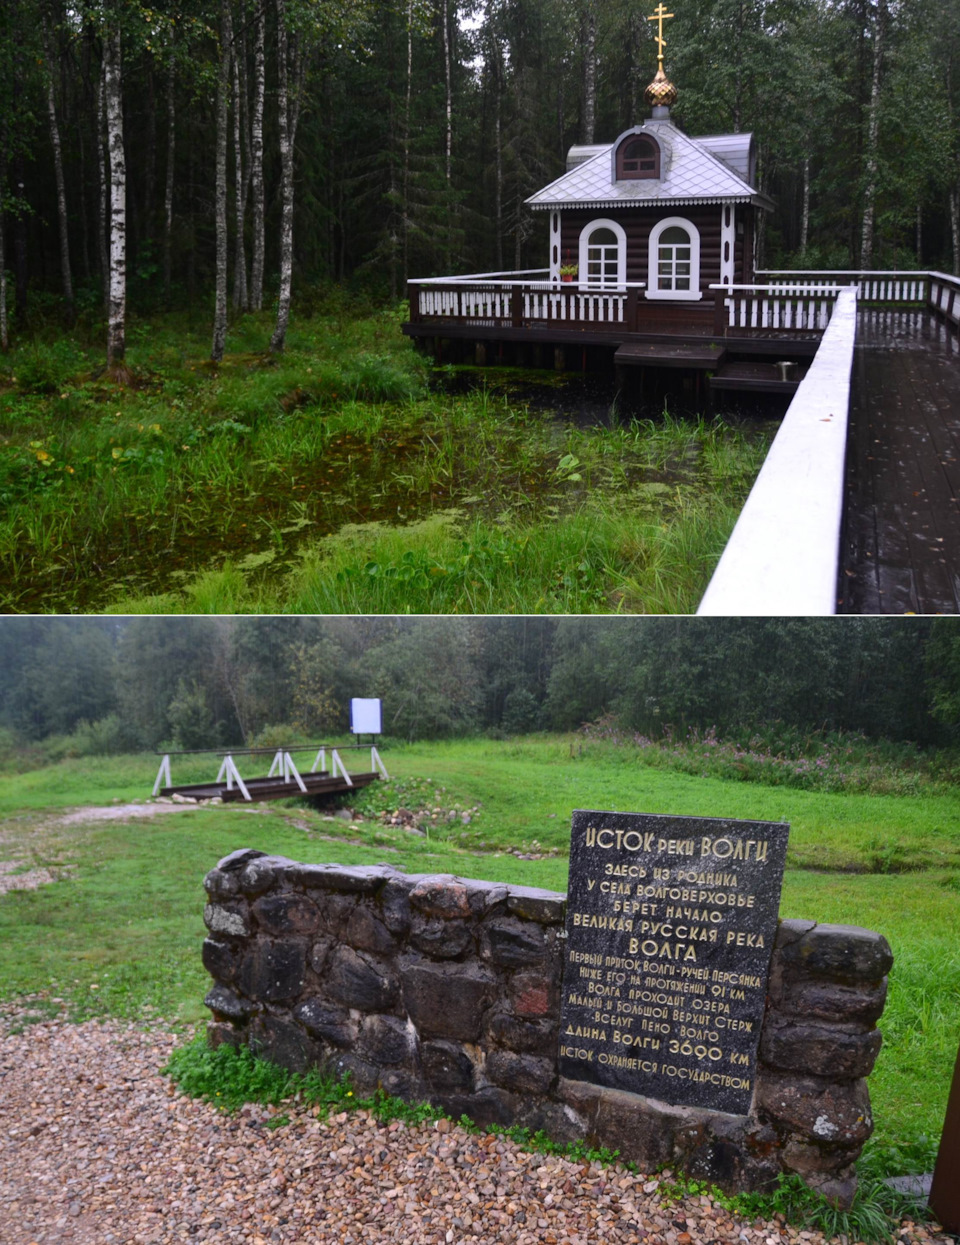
857	506
283	780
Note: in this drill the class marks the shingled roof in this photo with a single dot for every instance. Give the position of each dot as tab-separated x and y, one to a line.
690	172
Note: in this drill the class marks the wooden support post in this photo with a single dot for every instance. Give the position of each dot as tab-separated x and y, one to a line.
516	307
719	313
945	1190
480	354
413	294
633	309
559	359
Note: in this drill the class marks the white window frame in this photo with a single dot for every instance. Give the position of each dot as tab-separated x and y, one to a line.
621	237
653	266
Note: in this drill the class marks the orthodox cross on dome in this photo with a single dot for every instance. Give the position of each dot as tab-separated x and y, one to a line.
661	92
658	17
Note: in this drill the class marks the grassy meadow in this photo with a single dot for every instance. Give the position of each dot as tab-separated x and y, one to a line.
119	931
345	476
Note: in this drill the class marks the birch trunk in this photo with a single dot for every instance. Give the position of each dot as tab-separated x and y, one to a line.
168	188
240	261
449	95
117	304
589	37
223	89
406	145
288	112
919	234
102	187
955	228
498	136
805	211
873	127
66	276
4	328
256	160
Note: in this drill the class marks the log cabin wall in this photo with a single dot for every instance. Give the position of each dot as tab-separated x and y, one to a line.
637	225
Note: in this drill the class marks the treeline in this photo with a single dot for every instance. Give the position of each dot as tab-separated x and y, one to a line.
123	684
171	147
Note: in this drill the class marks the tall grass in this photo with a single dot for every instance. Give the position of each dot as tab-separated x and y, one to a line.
106	490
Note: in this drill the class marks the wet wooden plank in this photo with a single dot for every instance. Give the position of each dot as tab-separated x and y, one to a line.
706	355
901	541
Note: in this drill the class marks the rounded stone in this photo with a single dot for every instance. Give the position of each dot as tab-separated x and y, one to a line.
843	952
446	1066
443	897
822	1050
357	981
324	1020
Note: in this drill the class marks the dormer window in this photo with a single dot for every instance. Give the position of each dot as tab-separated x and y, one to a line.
638	156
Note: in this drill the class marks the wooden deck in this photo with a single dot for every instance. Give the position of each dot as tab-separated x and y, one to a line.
900	550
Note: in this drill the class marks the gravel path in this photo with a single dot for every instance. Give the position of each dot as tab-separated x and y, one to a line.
97	1148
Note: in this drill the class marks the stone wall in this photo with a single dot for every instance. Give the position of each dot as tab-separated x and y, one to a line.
448	990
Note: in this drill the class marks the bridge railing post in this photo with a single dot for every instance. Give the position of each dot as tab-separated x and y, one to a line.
290	770
229	771
337	764
163	773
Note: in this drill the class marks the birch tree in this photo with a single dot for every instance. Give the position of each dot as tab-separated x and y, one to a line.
289	86
588	29
117	303
871	155
171	168
256	155
4	330
240	300
66	276
223	95
103	185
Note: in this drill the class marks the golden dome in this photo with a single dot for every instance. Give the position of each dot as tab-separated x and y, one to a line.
661	92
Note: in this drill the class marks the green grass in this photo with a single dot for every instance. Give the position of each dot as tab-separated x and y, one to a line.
119	933
336	479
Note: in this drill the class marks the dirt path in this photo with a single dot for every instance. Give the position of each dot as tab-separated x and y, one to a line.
34	852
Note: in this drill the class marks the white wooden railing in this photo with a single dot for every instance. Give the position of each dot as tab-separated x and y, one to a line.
494	302
282	766
782	307
944	295
782	556
872	286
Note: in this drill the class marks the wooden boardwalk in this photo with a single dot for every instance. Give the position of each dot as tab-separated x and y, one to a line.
900	550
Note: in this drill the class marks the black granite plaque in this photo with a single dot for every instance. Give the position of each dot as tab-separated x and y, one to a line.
670	928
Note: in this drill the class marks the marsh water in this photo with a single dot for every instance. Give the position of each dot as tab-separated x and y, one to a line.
503	444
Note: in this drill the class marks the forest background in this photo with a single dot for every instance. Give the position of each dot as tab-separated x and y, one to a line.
74	687
165	148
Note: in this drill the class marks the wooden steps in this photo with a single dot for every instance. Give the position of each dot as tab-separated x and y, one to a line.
702	356
755	377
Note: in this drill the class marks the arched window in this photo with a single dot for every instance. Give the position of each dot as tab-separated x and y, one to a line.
638	156
603	255
674	263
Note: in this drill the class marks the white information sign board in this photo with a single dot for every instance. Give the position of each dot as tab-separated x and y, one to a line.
365	717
